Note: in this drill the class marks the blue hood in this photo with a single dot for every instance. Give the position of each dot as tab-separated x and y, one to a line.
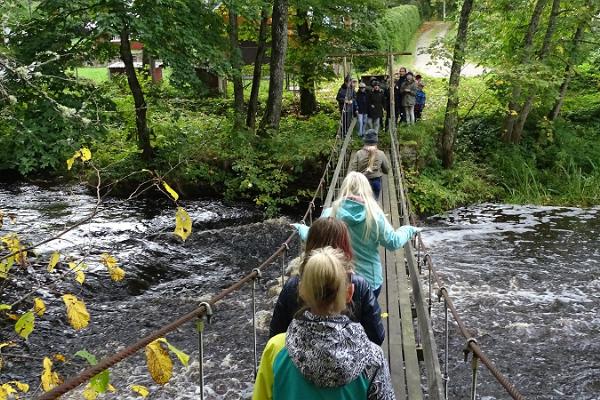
352	212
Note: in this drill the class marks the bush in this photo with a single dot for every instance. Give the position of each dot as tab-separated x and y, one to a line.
394	31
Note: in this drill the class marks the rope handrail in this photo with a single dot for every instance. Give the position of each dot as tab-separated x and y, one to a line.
200	311
471	344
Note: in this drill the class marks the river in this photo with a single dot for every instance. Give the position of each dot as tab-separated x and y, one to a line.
525	279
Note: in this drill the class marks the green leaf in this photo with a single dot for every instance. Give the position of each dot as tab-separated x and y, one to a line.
90	358
184	358
24	325
100	382
5	307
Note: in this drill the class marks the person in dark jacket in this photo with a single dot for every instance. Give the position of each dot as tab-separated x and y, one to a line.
399	95
362	101
346	99
376	104
363	308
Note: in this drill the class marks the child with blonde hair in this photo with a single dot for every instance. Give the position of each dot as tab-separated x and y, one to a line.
299	364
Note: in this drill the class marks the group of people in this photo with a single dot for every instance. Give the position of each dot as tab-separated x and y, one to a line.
369	102
326	327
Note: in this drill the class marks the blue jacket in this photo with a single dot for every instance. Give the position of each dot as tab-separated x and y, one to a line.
420	97
364	308
367	262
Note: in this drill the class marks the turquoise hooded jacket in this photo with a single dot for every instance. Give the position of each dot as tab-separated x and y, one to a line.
367	262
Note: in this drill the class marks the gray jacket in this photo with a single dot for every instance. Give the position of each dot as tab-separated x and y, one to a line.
360	162
409	91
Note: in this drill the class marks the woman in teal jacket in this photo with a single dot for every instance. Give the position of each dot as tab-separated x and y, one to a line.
323	355
368	227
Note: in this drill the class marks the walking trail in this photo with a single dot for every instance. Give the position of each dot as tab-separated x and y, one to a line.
439	68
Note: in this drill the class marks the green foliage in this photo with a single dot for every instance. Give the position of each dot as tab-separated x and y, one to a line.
394	31
439	189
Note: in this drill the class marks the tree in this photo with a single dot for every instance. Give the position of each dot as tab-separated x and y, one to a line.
236	75
574	55
509	134
256	77
143	133
76	31
543	53
279	41
451	119
324	28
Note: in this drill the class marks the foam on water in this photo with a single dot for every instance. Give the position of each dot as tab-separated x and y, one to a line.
525	279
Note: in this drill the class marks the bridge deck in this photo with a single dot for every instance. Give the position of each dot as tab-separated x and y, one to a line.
400	345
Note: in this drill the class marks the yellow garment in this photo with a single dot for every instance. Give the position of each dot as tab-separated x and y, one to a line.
263	387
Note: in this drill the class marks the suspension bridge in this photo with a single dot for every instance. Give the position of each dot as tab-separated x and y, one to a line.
419	369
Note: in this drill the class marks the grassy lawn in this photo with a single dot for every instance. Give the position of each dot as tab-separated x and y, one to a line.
96	74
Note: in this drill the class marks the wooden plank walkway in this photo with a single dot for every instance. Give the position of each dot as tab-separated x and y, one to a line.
400	345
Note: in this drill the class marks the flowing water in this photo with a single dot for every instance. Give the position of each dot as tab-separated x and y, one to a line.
525	279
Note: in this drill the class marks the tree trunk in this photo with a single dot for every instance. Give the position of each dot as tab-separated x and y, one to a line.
143	133
513	105
451	119
279	32
236	78
528	105
260	56
306	79
568	72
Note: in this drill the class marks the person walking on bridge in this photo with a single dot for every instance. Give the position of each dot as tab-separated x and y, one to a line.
376	103
370	161
368	227
323	355
363	307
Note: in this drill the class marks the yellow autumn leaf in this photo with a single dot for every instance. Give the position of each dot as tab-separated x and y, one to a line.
170	190
13	244
86	154
49	378
159	363
5	267
111	388
116	273
54	259
77	314
23	387
108	260
39	307
6	390
384	315
59	357
80	277
6	344
141	390
70	162
183	223
24	325
90	393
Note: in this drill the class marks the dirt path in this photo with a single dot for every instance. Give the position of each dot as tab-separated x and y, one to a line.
429	32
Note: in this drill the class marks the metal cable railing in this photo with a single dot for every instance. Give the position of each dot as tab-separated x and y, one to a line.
330	177
471	343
